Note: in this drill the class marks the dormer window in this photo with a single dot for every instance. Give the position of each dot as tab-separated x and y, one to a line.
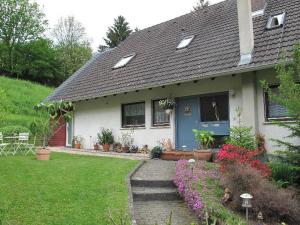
185	42
124	61
276	21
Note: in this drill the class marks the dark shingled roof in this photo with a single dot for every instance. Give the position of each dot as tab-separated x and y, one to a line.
213	52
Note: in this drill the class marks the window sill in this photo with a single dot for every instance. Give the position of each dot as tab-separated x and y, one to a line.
274	122
134	128
160	127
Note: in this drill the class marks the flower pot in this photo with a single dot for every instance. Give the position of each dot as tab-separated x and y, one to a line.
125	149
106	147
169	111
77	145
203	155
43	154
96	147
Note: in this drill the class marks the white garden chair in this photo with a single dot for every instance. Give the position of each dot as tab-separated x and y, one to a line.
22	143
3	145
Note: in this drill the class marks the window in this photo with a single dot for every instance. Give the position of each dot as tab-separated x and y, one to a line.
133	115
274	110
124	61
185	42
214	108
276	21
159	116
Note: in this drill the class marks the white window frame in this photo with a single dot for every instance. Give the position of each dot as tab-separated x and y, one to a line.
124	61
185	42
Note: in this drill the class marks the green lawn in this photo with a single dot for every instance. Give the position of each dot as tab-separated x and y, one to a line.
69	189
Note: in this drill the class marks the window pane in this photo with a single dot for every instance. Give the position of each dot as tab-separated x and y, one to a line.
133	114
160	117
275	110
214	108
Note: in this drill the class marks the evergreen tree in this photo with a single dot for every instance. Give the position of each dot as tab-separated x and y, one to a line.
288	74
118	32
201	4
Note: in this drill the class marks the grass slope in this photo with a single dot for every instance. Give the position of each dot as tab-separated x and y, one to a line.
69	189
21	97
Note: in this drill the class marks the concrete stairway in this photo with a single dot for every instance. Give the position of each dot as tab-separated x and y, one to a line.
155	197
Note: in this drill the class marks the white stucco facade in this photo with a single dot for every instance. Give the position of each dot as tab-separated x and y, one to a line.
245	92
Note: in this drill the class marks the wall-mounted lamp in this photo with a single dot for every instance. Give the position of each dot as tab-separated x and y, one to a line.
232	92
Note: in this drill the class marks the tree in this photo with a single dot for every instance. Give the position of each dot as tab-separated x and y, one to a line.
118	32
20	21
72	45
38	61
201	4
288	74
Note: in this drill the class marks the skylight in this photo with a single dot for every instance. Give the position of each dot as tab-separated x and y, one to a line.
124	61
185	42
276	21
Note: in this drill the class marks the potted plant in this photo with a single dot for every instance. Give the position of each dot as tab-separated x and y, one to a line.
205	139
134	149
96	146
105	138
117	147
167	104
126	141
58	113
156	152
78	140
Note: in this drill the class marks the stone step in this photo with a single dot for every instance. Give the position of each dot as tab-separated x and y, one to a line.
155	193
152	183
158	212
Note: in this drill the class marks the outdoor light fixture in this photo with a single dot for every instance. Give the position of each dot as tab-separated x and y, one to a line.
246	202
192	164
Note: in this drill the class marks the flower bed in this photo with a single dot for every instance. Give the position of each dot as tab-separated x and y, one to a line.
201	191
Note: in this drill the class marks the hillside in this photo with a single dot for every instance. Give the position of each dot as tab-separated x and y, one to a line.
21	97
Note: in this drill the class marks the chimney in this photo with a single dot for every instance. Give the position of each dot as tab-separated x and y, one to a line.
245	31
258	5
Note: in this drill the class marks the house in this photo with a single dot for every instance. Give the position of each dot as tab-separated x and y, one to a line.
211	61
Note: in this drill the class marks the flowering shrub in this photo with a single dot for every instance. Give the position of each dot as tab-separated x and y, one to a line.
230	154
186	183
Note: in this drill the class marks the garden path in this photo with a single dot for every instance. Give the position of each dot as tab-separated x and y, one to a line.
133	156
155	196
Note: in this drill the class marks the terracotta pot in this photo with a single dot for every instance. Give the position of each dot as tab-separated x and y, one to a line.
77	145
203	155
106	147
125	149
43	154
96	147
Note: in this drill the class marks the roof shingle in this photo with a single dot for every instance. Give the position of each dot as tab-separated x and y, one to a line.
214	50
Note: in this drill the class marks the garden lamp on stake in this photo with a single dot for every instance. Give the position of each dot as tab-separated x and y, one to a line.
246	202
192	164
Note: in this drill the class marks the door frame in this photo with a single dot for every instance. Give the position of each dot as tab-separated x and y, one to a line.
67	129
199	109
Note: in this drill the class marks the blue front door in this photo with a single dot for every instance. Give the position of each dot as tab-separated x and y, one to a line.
187	119
203	113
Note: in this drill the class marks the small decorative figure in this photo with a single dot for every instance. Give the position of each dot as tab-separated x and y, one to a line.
226	197
167	144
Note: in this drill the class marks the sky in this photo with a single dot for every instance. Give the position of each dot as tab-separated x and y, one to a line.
97	15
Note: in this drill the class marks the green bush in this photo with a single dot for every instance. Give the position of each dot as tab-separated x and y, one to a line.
241	136
12	130
285	174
